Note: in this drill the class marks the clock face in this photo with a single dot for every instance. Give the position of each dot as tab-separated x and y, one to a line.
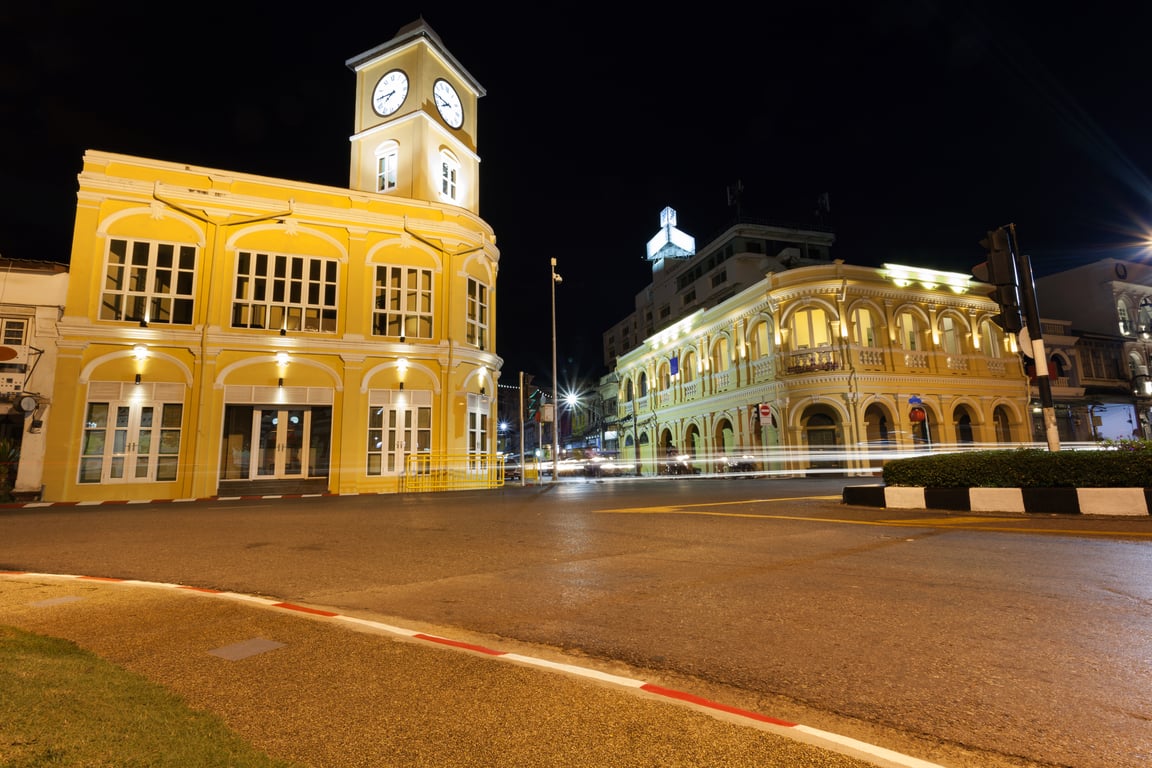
448	102
390	92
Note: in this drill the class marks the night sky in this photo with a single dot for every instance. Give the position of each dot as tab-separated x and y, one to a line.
925	123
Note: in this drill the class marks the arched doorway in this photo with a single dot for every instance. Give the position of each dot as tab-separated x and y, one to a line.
724	438
963	419
666	454
644	455
1000	420
878	431
822	434
922	427
691	441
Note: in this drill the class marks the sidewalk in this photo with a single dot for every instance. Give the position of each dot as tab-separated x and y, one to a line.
339	691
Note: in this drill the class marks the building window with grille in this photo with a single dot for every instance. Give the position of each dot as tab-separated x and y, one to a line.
148	282
403	303
13	332
387	166
449	176
281	292
134	441
477	320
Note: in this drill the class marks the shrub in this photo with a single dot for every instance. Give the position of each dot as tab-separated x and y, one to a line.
1118	464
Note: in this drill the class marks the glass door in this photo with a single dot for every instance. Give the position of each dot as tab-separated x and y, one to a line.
281	434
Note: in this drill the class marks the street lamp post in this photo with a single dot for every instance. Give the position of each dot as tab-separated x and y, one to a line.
555	402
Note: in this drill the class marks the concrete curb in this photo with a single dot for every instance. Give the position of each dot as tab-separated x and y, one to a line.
1127	502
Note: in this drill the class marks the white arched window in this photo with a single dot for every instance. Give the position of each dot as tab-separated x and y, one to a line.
387	166
908	331
720	359
1144	317
950	335
449	175
688	367
761	342
993	339
864	327
810	328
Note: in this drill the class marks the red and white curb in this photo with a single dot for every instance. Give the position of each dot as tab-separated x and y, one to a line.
807	734
115	502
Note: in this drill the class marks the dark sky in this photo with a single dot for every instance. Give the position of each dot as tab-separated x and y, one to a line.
927	123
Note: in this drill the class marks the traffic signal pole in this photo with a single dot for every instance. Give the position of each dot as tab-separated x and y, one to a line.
523	468
1033	334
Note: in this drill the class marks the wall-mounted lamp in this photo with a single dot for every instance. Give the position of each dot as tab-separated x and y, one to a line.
401	338
137	378
143	323
281	358
481	389
140	352
401	386
283	331
280	382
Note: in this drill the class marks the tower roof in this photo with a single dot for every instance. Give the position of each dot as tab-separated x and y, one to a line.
407	34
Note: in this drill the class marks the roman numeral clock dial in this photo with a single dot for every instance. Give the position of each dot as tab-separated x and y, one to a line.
390	92
448	103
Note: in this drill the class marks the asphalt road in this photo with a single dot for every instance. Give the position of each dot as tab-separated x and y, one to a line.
966	640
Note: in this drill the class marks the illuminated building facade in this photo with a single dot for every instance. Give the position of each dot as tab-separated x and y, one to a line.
824	358
232	334
1100	350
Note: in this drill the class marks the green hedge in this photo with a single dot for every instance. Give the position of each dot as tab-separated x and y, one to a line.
1118	464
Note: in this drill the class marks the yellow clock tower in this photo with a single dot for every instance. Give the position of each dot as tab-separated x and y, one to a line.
415	132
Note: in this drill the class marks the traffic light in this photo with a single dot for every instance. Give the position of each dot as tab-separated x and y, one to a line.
534	405
1000	270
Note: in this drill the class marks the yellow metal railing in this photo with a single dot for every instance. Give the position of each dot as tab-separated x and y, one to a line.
427	472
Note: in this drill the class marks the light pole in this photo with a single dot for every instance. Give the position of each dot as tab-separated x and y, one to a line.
555	403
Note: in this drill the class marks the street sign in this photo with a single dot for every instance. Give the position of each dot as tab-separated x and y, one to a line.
765	412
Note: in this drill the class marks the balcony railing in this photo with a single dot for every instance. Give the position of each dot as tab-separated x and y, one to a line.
916	359
871	357
813	361
762	369
722	381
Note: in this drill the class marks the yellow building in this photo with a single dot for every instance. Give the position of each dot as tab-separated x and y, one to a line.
826	366
228	334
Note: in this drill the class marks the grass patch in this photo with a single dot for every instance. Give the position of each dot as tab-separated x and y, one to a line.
63	707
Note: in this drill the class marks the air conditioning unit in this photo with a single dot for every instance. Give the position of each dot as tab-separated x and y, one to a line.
14	355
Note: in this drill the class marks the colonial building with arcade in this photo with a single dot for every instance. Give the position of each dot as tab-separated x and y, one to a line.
768	352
